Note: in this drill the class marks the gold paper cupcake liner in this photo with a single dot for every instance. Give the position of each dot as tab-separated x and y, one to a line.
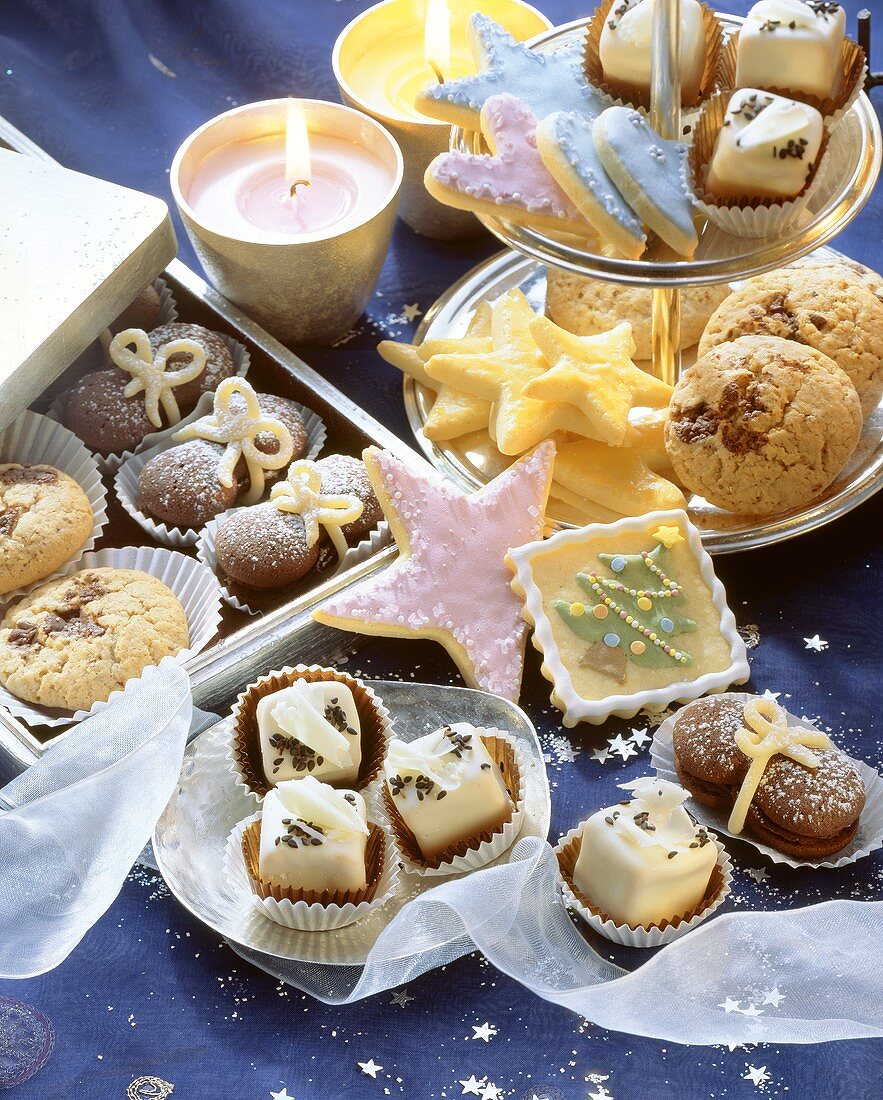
504	755
245	749
741	215
853	69
375	851
712	73
651	935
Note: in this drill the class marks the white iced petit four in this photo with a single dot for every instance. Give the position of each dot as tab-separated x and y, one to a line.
644	861
789	44
446	787
310	729
313	837
625	46
766	147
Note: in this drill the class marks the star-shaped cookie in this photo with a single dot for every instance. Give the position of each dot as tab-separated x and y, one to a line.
617	478
501	375
596	375
544	82
509	182
450	582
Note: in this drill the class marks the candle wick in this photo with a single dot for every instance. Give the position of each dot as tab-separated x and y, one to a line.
296	184
437	71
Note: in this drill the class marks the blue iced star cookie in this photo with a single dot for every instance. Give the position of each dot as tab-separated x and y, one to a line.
543	82
649	171
565	143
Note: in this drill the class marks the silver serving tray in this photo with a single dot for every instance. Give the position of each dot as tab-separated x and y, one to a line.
191	835
245	647
468	463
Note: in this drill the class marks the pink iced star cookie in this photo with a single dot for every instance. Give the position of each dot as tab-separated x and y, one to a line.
450	582
511	181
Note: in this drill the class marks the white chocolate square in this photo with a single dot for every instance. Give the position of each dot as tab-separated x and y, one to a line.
310	729
625	867
625	46
766	147
787	44
446	787
313	837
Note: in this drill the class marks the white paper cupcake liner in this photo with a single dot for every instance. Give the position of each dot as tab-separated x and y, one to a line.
868	837
298	914
125	480
375	540
654	935
189	580
385	722
111	463
32	437
168	307
488	850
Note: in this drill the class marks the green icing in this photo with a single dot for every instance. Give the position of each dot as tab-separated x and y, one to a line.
636	575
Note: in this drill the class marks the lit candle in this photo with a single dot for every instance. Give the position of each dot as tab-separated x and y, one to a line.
290	206
390	53
288	184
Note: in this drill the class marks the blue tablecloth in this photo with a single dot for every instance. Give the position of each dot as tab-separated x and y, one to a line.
111	87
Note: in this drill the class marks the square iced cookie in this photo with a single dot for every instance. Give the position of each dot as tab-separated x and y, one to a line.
446	787
626	615
313	838
310	729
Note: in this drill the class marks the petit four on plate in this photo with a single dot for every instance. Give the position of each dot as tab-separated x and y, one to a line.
452	797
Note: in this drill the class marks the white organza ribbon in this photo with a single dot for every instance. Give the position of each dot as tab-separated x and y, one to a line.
825	958
81	815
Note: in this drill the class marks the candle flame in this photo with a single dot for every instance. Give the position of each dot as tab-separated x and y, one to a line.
437	37
298	167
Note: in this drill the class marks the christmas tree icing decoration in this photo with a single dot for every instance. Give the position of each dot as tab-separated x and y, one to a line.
635	613
628	615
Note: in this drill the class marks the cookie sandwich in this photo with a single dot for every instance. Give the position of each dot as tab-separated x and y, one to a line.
784	783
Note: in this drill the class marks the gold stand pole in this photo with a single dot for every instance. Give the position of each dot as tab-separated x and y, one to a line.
665	118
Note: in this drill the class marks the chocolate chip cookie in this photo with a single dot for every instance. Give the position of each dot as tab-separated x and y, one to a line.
45	517
830	311
761	426
75	640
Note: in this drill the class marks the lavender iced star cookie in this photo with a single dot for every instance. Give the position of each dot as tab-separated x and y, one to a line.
544	82
565	143
649	171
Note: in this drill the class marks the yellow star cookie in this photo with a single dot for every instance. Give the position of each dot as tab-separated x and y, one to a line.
596	374
453	412
617	478
517	422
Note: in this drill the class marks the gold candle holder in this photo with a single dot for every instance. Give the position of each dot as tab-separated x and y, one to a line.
378	60
309	288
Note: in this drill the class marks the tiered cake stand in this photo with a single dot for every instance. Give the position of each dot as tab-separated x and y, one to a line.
852	165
